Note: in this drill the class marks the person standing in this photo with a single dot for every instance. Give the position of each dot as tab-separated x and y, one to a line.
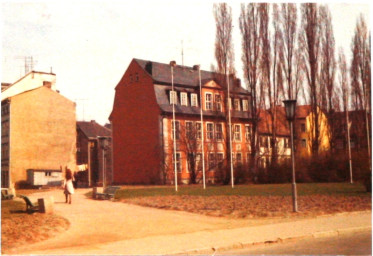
68	186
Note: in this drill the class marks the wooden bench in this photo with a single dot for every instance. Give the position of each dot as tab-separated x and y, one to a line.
108	193
5	195
30	207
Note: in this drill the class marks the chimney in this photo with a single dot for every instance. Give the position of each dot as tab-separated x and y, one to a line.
238	82
149	67
196	67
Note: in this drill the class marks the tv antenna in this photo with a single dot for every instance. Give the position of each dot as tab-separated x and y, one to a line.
28	63
83	100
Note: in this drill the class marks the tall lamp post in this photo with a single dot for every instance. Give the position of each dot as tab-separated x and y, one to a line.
290	115
104	144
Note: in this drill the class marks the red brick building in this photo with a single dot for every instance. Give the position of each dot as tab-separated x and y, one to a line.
142	130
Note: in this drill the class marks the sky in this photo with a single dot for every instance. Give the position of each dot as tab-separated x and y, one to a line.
89	44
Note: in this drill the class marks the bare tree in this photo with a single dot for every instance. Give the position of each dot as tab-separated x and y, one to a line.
224	55
288	19
310	41
360	73
250	31
328	67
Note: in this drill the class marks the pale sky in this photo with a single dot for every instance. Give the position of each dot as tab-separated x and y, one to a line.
89	44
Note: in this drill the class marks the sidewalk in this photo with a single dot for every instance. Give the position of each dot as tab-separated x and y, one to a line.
103	227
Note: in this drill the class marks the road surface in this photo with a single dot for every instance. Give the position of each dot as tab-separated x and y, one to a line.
347	244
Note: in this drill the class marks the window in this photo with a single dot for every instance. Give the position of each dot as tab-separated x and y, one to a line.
210	131
238	158
184	99
304	143
286	143
218	102
248	132
194	100
199	130
219	131
198	161
263	142
189	129
131	79
237	132
173	97
211	160
303	127
237	105
136	77
208	101
177	131
245	105
220	159
178	161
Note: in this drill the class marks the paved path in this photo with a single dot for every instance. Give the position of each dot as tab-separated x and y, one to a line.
105	227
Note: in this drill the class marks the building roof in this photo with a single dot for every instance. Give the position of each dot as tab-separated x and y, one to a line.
186	76
265	123
92	129
302	111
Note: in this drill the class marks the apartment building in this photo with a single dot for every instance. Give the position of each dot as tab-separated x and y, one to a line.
144	136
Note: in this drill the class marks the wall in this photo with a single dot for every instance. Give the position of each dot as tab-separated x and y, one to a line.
135	129
42	133
30	81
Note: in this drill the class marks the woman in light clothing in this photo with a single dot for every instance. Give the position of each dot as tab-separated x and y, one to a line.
68	185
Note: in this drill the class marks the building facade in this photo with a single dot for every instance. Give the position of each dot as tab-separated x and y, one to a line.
38	131
94	162
144	136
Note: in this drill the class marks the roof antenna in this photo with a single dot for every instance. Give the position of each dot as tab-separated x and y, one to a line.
182	53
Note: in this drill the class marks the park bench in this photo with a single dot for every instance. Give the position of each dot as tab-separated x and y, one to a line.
5	195
108	193
30	207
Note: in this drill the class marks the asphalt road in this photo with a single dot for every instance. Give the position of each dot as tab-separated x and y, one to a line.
346	244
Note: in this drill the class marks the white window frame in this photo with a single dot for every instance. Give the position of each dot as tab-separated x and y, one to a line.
189	130
238	106
173	97
177	132
219	161
184	99
245	105
218	105
213	161
194	100
237	132
198	130
219	132
211	132
179	166
208	103
248	132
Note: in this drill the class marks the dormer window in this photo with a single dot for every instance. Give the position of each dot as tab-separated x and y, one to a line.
184	99
245	105
237	105
194	100
218	102
173	97
208	101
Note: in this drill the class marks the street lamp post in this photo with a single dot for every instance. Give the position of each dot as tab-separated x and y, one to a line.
103	142
290	115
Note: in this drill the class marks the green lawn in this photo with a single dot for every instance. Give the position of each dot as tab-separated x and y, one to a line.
344	189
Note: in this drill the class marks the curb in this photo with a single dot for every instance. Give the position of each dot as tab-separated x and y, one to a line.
247	244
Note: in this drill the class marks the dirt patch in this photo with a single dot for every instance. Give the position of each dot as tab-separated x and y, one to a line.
256	206
19	228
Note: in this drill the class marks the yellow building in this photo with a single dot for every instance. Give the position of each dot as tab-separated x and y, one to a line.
305	131
38	132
